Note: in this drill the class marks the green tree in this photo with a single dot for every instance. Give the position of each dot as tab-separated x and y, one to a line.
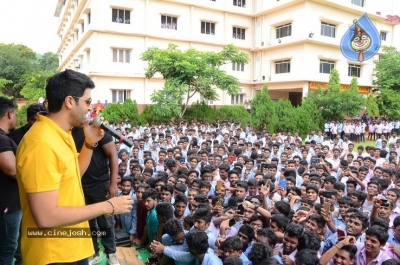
334	103
35	81
372	106
3	83
263	111
302	121
118	112
352	101
387	69
310	106
233	114
190	72
388	101
284	112
15	61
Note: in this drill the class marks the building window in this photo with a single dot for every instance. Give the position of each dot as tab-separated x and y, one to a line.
238	67
325	67
169	22
121	16
284	31
241	3
239	33
119	96
354	70
121	56
88	57
88	18
207	28
237	99
282	67
358	2
83	27
383	35
328	30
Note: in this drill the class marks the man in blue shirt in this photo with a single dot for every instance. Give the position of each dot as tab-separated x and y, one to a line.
150	198
197	242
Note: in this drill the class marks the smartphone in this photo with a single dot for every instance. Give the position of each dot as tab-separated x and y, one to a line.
327	207
240	209
152	261
182	160
341	233
283	183
219	185
231	158
221	202
264	165
314	160
232	222
381	201
259	161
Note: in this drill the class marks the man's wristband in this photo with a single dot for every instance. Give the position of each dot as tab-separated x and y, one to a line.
89	146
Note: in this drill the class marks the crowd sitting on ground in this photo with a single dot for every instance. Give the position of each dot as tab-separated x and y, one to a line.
247	197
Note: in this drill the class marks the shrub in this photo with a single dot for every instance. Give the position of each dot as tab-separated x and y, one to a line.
21	115
233	114
200	111
149	114
118	112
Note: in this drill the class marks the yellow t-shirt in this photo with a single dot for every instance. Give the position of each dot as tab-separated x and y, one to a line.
47	160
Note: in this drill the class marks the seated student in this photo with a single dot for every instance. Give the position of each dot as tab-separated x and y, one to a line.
173	240
355	226
233	247
344	255
306	257
180	207
345	203
164	211
368	252
202	220
197	242
291	237
128	221
259	252
150	197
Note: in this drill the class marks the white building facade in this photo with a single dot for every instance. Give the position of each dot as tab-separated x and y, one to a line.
293	44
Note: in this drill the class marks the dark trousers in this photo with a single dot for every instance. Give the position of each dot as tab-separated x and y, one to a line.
81	262
9	232
103	222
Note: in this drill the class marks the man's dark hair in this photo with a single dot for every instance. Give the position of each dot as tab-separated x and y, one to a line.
280	220
270	234
346	201
283	207
306	257
34	108
152	193
6	105
233	261
181	198
200	198
339	186
361	217
294	230
259	252
242	184
203	214
197	240
233	243
168	188
64	84
381	234
380	222
309	240
173	227
247	230
166	210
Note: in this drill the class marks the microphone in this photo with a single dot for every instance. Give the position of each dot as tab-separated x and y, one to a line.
99	123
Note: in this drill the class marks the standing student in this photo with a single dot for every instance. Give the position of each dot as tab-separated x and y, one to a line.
49	171
10	209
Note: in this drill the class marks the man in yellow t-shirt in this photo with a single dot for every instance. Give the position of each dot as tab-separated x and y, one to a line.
49	171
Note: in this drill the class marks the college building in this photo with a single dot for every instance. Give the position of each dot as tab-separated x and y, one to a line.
292	44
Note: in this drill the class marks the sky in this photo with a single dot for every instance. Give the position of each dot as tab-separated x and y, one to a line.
29	22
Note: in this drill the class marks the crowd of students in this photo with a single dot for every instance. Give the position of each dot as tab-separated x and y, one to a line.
225	193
